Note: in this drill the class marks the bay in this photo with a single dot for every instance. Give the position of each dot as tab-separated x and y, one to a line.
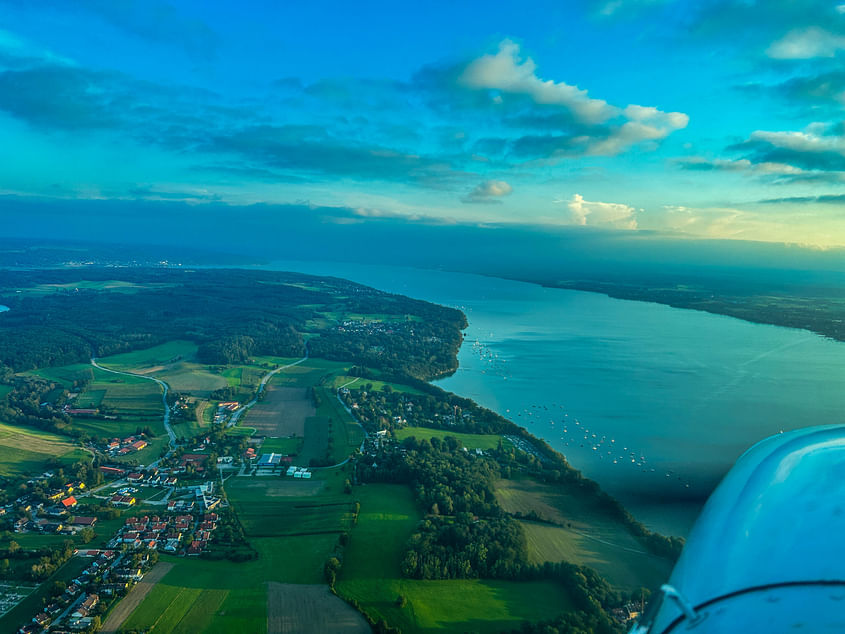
655	403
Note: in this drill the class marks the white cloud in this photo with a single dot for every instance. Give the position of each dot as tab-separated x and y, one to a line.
506	71
812	139
740	165
807	43
644	124
599	214
606	130
488	191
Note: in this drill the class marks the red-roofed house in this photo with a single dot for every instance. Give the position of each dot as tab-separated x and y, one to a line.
69	502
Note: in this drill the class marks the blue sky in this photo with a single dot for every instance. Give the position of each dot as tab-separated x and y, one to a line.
710	118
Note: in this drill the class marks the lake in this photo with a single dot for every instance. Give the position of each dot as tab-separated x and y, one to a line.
655	403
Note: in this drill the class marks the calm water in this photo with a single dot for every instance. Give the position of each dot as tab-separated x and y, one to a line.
653	402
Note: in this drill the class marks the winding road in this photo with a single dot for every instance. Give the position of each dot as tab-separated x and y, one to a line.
164	387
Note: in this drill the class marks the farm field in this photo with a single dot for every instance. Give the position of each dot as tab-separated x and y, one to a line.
345	432
310	372
357	382
585	534
65	375
284	446
174	363
387	518
25	450
151	359
470	441
294	526
310	609
119	286
282	412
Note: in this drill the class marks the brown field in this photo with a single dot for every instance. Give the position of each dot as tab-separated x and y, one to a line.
132	600
310	609
282	412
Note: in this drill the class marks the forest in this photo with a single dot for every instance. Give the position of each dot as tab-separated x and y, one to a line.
64	316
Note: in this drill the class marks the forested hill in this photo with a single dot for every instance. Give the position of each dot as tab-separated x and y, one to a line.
64	316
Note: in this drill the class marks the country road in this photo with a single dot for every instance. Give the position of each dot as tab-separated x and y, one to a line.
164	388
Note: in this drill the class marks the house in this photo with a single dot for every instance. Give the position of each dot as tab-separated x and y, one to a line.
138	445
135	478
69	502
124	501
84	521
90	602
112	472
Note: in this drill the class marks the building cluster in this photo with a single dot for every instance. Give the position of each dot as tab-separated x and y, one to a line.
87	596
298	472
167	533
52	516
224	410
123	446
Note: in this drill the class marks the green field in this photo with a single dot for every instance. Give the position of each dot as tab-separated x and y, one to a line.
310	372
470	441
294	526
586	533
66	375
370	574
246	376
115	286
284	446
24	450
240	430
347	435
353	382
149	359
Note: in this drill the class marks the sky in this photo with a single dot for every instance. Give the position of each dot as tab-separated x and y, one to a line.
685	118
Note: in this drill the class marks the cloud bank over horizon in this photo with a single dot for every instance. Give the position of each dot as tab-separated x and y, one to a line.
641	115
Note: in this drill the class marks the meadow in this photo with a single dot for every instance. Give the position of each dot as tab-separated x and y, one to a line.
470	441
583	532
370	575
25	450
174	363
377	386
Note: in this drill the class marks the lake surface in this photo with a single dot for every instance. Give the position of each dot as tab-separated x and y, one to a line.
653	402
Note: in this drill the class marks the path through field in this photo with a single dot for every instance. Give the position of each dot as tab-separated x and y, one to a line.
294	608
132	600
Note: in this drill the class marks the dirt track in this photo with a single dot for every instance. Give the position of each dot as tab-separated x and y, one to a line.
310	609
281	413
132	600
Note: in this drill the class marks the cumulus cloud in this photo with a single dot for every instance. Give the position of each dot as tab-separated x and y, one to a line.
600	214
507	72
488	192
807	43
573	124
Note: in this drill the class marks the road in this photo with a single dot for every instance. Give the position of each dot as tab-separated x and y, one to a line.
164	388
